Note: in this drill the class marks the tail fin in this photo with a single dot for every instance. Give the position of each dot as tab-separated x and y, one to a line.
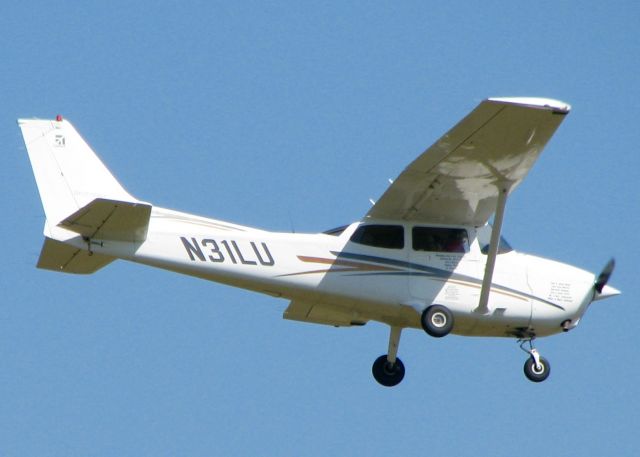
68	173
80	195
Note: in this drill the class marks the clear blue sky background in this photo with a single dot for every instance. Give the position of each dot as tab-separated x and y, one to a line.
290	115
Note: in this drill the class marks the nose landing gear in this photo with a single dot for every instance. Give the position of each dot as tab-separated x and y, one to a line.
536	368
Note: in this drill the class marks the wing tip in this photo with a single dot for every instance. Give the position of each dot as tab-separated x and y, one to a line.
536	102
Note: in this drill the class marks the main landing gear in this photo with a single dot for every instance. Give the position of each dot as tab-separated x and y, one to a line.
389	369
536	368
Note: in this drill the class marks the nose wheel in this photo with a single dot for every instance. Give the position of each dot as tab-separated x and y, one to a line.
536	368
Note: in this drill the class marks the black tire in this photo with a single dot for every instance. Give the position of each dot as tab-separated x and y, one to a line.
386	374
535	375
437	321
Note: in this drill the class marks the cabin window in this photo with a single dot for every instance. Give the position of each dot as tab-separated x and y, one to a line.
437	239
380	236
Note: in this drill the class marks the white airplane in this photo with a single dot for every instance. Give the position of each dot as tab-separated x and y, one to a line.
424	256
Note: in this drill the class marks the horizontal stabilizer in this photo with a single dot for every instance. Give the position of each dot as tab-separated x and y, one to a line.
105	219
59	256
322	313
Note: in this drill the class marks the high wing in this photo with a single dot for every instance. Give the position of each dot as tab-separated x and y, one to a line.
457	180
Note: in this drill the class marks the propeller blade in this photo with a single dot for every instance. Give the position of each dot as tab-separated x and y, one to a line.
604	276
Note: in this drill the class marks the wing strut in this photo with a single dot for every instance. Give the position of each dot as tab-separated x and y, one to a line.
493	249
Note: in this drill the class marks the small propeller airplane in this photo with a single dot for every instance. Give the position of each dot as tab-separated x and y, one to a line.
424	256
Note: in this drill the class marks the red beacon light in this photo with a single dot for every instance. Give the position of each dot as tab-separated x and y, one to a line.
59	118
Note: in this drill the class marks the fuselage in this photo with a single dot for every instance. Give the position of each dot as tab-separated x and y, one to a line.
385	269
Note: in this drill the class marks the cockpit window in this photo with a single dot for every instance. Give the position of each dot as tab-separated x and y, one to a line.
380	236
438	239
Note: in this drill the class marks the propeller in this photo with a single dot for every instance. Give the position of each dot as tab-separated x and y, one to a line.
600	285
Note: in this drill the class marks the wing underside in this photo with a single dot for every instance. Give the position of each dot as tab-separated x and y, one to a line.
457	180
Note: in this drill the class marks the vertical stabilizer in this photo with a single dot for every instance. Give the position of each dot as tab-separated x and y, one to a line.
68	173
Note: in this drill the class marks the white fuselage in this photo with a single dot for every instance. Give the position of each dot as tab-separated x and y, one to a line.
530	296
423	256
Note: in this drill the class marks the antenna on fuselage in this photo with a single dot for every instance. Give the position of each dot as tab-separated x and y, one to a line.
293	227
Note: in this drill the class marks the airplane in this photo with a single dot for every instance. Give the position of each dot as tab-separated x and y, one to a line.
427	255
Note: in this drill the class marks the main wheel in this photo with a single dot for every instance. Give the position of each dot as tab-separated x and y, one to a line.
437	321
387	374
534	373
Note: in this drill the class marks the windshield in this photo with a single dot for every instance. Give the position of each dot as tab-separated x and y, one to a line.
503	247
336	231
484	238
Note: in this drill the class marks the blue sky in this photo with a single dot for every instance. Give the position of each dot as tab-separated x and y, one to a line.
291	115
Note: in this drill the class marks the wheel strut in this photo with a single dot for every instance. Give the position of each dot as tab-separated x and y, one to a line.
394	342
533	352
